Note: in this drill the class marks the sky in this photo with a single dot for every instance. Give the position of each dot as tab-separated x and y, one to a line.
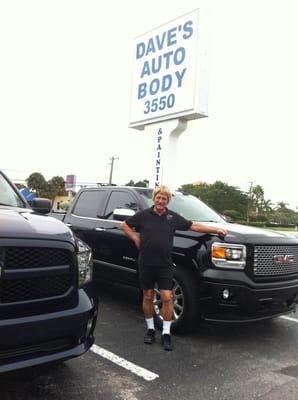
65	85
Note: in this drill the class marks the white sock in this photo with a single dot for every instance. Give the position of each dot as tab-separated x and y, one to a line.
150	323
166	327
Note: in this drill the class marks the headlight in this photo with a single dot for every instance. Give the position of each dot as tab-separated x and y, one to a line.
85	263
227	255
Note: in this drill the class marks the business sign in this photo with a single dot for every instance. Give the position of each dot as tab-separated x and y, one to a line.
166	68
70	182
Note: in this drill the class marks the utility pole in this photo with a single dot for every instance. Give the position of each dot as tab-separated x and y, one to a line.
112	167
249	201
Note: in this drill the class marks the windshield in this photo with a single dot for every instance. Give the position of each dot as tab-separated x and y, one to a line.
8	197
187	206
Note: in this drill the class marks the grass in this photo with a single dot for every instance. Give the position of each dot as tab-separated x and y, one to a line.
271	228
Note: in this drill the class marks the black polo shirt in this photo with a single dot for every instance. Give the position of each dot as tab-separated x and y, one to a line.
157	234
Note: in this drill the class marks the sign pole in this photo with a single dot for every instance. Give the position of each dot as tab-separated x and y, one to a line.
164	142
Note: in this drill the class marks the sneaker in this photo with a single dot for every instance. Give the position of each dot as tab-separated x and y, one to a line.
149	338
166	341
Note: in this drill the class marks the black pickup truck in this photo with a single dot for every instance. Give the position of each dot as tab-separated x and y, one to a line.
48	305
249	275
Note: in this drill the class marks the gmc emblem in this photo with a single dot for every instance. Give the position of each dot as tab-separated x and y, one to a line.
284	259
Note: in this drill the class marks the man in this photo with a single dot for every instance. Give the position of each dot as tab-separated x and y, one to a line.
157	226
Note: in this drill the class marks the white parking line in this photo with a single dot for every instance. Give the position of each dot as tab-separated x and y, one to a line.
142	372
289	318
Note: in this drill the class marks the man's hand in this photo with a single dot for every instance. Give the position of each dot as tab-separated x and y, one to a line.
221	232
137	242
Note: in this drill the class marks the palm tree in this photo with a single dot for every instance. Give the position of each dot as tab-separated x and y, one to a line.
258	197
281	205
267	206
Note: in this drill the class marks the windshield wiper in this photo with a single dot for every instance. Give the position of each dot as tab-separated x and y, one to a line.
4	204
208	220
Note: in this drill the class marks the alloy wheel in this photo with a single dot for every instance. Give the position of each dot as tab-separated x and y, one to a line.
178	301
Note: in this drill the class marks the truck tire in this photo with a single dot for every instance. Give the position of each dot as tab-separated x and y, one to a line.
185	302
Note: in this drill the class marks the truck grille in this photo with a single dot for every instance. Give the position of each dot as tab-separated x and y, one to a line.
16	290
32	257
35	273
273	260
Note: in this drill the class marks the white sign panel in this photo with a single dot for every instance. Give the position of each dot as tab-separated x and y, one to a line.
165	73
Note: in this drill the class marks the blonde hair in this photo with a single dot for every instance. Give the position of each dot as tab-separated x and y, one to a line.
162	190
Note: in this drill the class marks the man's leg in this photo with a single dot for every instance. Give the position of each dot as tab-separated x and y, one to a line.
167	313
167	304
148	314
148	303
146	279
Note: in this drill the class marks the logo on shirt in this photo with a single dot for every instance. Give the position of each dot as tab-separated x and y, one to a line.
169	217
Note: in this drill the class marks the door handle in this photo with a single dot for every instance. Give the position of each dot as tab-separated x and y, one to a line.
68	224
129	258
100	229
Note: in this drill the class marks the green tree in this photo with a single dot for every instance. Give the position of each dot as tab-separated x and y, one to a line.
58	185
281	205
267	206
143	183
231	202
54	187
48	189
36	183
283	215
257	197
220	196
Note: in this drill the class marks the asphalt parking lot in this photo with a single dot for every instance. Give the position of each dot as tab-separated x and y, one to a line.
255	361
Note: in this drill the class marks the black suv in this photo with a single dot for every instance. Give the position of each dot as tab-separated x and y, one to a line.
48	306
249	275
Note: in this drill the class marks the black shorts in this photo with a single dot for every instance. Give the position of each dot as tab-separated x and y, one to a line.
151	274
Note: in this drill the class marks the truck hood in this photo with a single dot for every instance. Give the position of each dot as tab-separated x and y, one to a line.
24	223
249	234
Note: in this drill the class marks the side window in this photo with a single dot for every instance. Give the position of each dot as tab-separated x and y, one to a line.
89	202
120	199
8	196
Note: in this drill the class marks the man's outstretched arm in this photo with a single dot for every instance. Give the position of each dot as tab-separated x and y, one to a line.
198	227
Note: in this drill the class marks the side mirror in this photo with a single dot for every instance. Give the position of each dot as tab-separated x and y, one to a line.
228	219
42	206
121	214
